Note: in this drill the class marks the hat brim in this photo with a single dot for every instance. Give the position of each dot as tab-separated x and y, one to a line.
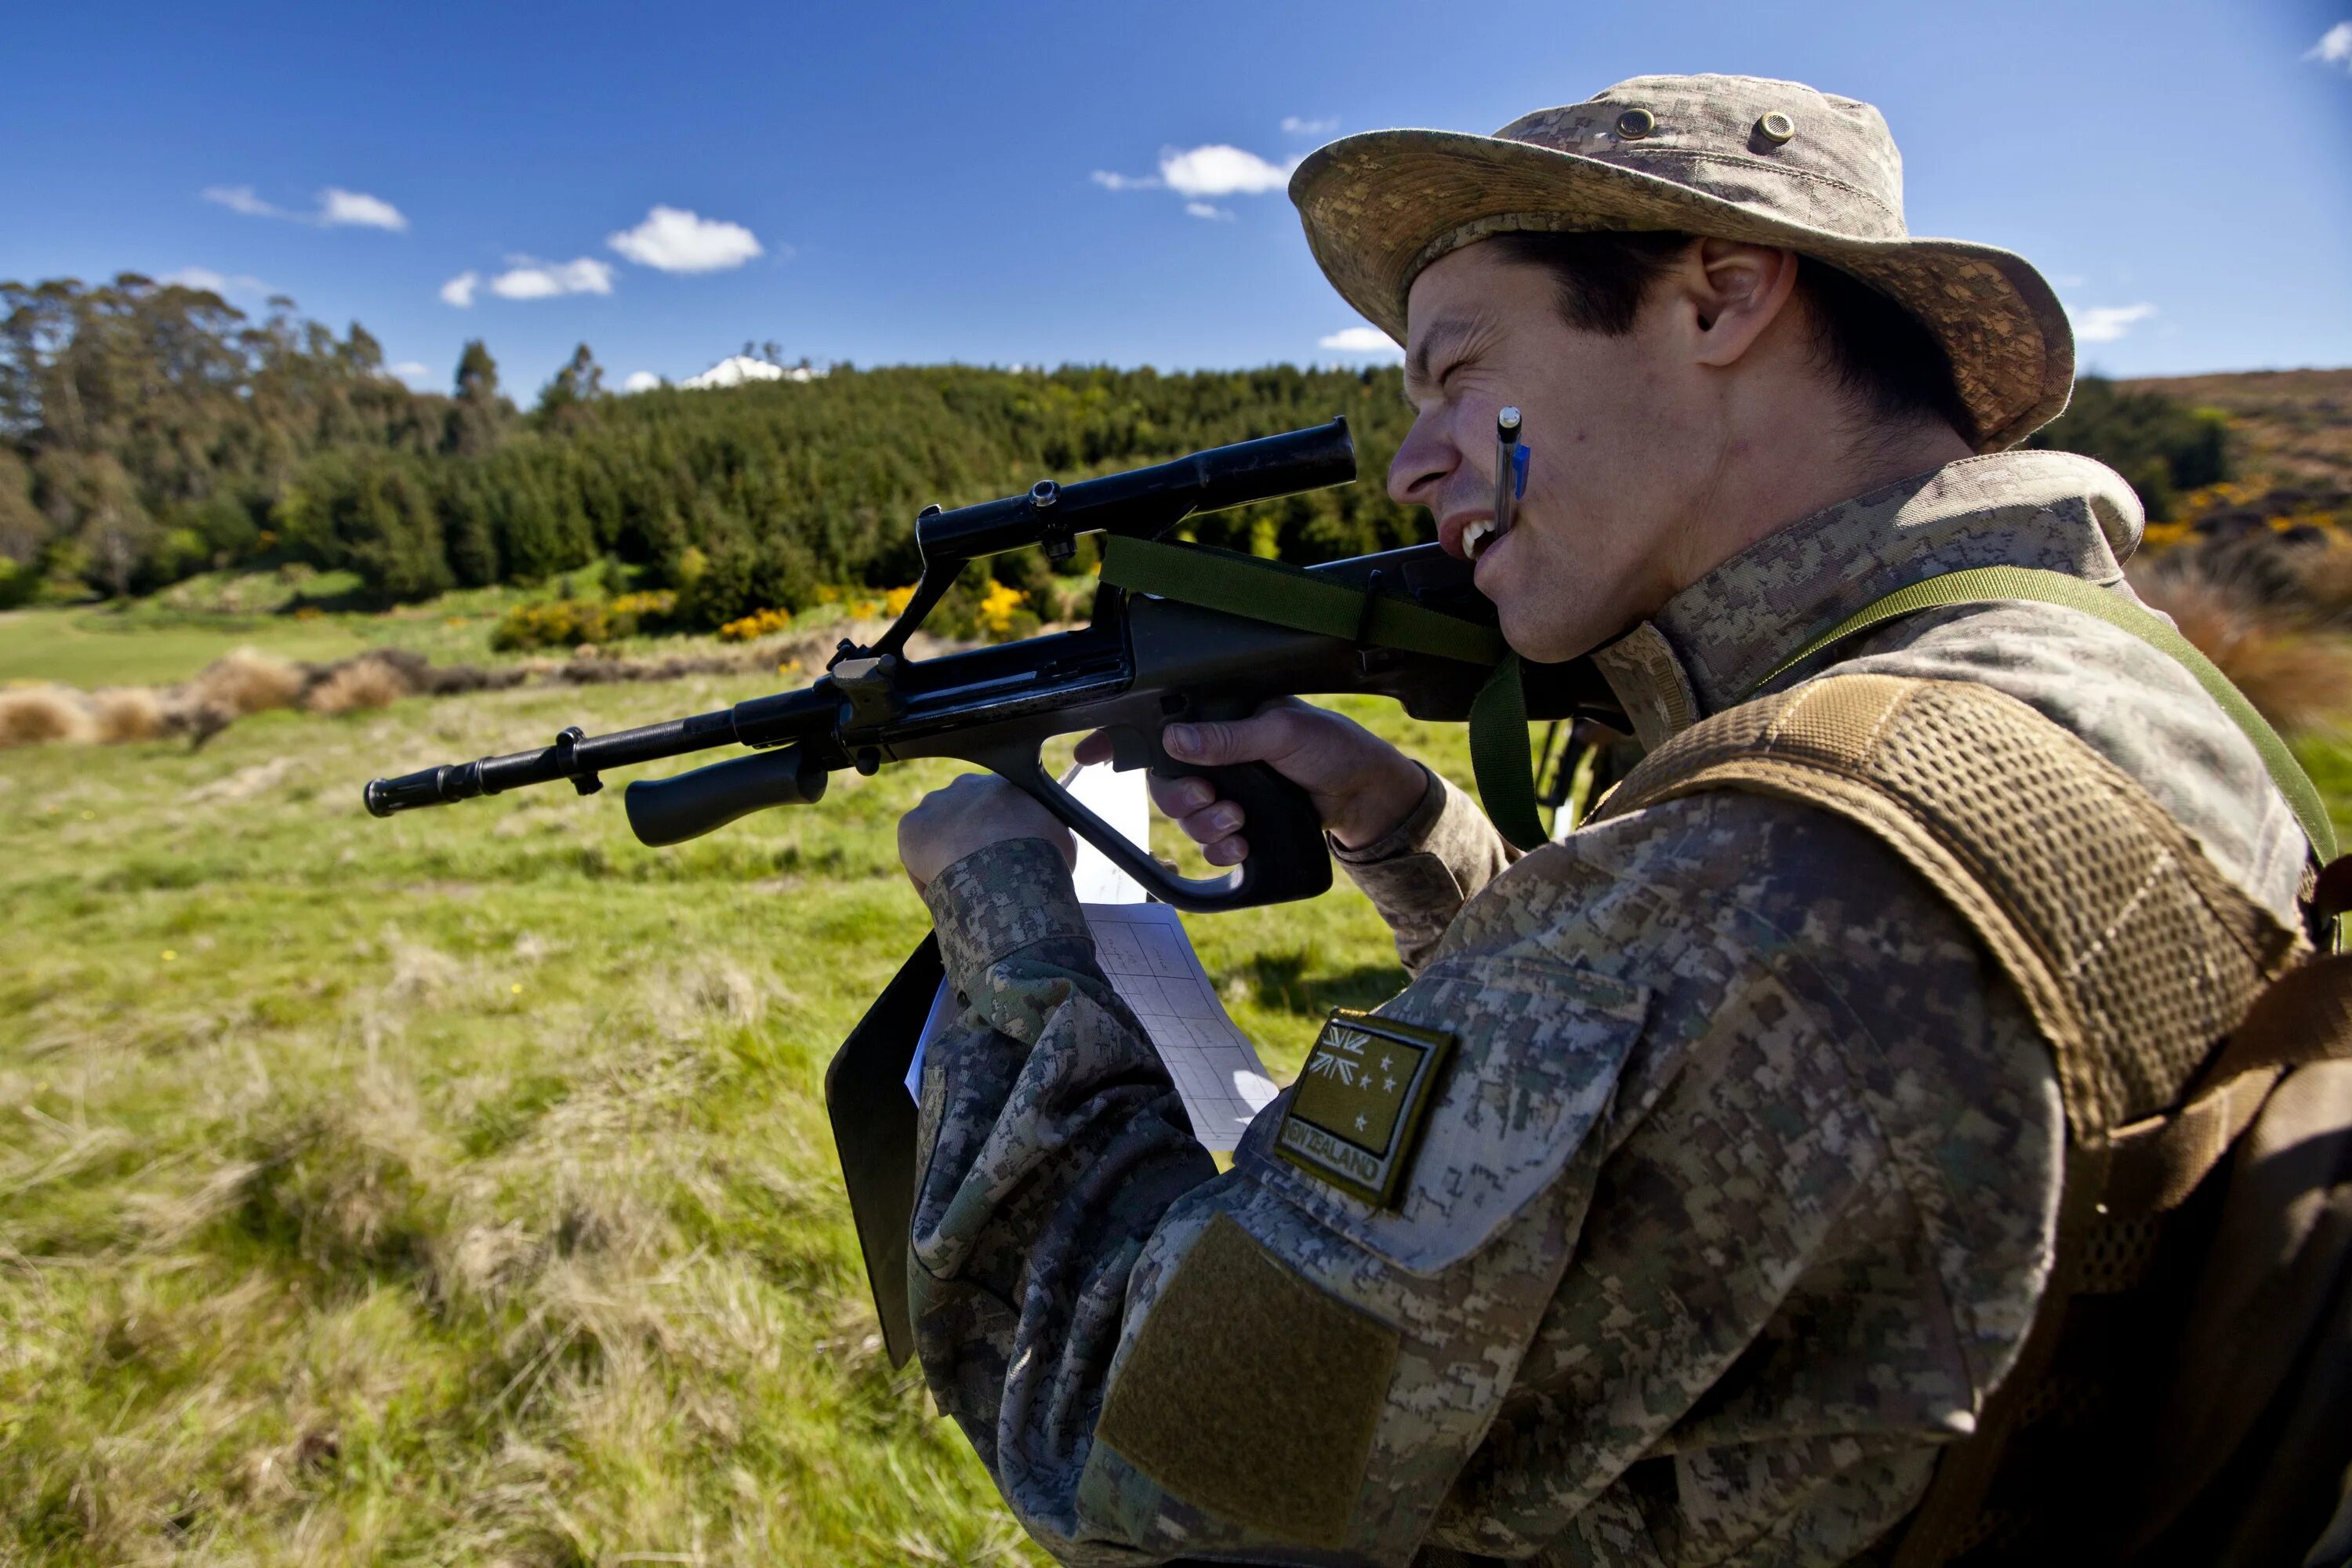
1381	205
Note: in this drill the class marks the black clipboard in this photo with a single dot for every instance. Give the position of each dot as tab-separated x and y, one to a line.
874	1127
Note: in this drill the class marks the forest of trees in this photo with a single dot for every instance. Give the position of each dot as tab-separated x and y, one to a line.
149	431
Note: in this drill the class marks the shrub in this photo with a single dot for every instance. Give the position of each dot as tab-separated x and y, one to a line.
567	623
740	578
1004	615
2161	444
755	626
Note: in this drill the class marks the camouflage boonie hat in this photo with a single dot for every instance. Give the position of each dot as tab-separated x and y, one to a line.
1732	157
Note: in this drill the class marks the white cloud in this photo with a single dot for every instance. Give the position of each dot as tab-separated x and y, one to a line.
412	370
529	279
459	290
1217	170
641	381
676	240
241	199
1360	340
204	280
2335	47
339	208
1199	173
2105	323
1298	126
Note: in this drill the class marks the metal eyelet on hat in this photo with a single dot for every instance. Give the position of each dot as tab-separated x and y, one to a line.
1637	123
1776	127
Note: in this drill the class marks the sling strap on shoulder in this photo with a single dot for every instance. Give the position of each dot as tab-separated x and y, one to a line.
2134	956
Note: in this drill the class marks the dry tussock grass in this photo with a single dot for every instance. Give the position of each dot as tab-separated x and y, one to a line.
127	713
364	683
2298	679
2326	573
36	715
246	681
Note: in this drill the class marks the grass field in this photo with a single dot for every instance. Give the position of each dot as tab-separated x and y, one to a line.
98	647
291	613
456	1188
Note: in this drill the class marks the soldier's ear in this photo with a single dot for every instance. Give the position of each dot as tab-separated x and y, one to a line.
1732	293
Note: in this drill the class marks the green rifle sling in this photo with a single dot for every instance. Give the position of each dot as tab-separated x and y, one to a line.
1990	584
1282	596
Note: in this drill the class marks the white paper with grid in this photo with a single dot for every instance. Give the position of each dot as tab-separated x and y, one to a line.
1149	962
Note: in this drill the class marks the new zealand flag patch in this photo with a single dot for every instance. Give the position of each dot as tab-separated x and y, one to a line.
1360	1103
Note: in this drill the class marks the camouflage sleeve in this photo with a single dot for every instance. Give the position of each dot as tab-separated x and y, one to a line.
1421	872
1157	1362
1051	1143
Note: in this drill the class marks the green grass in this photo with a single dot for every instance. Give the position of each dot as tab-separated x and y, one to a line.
458	1187
170	636
2329	761
98	648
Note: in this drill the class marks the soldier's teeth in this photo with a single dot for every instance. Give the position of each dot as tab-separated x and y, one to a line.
1475	538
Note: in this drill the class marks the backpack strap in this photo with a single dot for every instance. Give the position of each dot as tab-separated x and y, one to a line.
1991	584
2132	952
2083	889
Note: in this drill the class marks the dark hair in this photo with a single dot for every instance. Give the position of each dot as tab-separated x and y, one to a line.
1878	352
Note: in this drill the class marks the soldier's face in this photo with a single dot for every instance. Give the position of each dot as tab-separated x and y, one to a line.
1620	458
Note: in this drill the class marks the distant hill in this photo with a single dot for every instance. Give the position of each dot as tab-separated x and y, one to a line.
2289	427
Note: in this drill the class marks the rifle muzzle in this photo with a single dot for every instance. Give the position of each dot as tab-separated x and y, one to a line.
426	787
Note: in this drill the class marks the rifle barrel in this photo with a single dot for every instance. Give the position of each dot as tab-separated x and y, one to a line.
758	721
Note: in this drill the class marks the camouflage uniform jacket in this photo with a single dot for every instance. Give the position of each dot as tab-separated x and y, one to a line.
1739	1196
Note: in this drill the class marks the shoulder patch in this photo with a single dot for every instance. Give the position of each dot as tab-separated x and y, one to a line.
1358	1112
1252	1395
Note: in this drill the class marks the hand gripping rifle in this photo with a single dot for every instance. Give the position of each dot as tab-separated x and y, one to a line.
1178	633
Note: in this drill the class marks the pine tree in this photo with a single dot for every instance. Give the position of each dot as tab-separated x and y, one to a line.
580	379
478	418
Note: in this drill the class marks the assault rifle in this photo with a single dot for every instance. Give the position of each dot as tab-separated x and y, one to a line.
1176	633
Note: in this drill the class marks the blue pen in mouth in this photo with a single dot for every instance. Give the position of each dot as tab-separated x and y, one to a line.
1510	484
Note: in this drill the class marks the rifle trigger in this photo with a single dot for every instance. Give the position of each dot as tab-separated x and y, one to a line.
1128	749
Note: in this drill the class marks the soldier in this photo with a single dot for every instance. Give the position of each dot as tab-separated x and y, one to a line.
1703	1186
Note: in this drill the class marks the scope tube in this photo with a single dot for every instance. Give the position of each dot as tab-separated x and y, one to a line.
1145	502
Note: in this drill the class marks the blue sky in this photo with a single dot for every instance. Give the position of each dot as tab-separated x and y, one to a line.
912	183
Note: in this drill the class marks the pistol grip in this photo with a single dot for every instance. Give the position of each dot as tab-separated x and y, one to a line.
1288	859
